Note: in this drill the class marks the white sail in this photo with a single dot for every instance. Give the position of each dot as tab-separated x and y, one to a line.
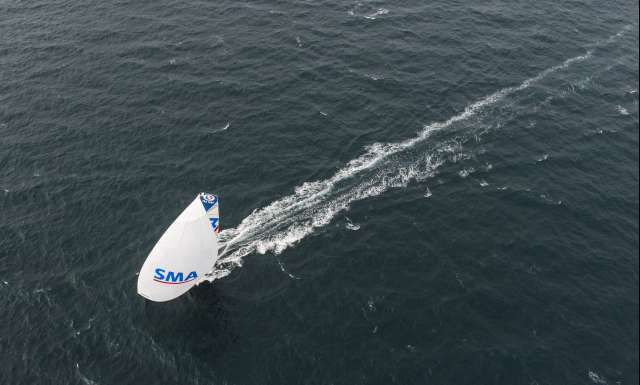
186	251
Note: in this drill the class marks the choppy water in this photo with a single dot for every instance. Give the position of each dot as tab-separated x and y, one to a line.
412	193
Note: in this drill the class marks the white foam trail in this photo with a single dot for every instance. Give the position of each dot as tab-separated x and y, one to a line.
286	221
614	38
276	227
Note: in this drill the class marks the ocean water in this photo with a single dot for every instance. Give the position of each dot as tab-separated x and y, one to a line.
411	193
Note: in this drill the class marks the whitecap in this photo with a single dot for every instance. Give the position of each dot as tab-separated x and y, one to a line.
374	76
216	130
370	16
285	270
85	380
549	199
622	110
596	378
351	226
378	12
483	183
371	305
465	172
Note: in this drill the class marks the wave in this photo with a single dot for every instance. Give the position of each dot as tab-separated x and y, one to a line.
314	204
371	15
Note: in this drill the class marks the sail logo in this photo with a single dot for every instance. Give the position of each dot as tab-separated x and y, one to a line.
215	224
209	198
173	278
209	201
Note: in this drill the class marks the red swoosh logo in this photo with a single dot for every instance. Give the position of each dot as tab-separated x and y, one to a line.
173	283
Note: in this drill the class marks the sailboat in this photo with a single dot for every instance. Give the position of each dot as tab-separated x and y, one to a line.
184	254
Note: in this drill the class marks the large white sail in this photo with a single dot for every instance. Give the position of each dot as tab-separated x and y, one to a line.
187	250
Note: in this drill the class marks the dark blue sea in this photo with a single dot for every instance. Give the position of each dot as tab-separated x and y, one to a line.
440	192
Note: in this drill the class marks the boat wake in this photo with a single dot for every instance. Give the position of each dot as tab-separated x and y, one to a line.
381	167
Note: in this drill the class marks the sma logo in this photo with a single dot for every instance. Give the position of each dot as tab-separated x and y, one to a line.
173	278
